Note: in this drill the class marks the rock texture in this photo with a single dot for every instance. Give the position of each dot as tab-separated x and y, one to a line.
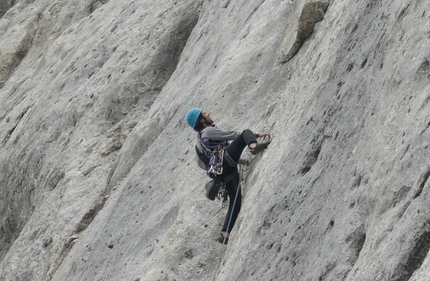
312	13
97	172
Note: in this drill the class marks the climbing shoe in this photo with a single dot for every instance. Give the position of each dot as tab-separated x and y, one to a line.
260	147
223	240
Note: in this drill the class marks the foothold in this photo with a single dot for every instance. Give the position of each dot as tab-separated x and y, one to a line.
47	242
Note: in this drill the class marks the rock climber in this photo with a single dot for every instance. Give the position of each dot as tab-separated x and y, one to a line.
202	122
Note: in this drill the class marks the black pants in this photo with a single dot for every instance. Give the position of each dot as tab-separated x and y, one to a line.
235	150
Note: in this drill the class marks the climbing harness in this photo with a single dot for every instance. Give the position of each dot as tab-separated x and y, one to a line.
214	152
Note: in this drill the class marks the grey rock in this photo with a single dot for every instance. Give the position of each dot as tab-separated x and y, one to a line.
312	13
97	172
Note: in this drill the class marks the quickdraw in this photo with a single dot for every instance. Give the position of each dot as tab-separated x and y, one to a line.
215	163
215	152
222	195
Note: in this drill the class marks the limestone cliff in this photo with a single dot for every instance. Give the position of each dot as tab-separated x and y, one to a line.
97	172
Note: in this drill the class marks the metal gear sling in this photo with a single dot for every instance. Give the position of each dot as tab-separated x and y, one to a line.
213	155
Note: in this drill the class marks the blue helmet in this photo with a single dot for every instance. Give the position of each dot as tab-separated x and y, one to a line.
192	116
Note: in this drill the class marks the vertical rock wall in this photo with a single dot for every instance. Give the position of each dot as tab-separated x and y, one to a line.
98	180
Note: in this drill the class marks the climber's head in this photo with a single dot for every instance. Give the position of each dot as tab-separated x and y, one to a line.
198	119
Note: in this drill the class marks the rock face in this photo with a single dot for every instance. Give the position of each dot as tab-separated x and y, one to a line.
312	13
97	172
